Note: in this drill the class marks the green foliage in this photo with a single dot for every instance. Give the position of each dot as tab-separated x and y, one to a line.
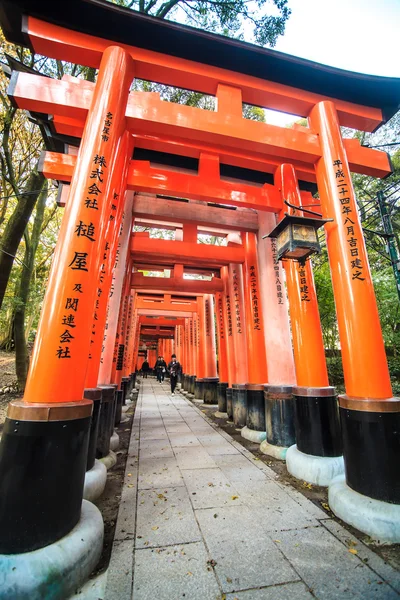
267	18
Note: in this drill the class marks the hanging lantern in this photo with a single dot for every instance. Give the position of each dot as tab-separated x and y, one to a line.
296	236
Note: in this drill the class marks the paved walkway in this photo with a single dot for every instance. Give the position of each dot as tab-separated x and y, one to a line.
202	519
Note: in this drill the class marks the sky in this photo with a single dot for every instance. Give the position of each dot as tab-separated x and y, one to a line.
356	35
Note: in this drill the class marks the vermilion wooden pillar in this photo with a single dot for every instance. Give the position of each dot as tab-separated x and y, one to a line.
370	416
53	409
279	406
201	349
211	378
257	361
107	351
106	258
227	315
240	353
278	345
222	354
316	412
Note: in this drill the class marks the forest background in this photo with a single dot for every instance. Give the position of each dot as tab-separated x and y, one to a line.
30	218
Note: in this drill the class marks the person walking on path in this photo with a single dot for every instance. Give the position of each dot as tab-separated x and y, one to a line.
174	368
160	368
145	368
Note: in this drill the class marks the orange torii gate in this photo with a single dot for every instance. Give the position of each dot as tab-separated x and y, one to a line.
95	256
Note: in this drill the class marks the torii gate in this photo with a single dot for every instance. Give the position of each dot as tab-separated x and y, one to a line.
70	354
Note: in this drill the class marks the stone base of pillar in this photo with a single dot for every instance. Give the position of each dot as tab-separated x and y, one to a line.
252	435
380	520
110	460
210	390
221	415
318	470
278	452
43	457
93	394
192	382
114	441
61	567
229	408
221	396
95	481
199	389
239	404
279	420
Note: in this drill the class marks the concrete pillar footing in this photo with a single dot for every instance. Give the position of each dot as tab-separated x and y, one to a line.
319	470
252	435
380	520
60	567
110	460
114	441
95	481
221	415
278	452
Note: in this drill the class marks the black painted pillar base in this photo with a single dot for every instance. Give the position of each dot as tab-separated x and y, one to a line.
255	407
210	390
317	457
199	389
43	456
192	382
106	421
221	397
239	404
119	394
229	406
125	389
317	421
371	446
93	394
279	418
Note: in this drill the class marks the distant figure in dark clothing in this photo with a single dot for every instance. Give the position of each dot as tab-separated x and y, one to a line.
174	368
160	368
145	368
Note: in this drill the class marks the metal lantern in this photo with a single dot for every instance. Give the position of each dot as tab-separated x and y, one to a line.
296	237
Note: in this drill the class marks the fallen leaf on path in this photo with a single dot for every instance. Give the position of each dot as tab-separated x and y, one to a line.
130	485
235	497
353	551
325	506
155	528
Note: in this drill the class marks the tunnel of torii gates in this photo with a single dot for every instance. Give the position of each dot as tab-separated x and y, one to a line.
127	158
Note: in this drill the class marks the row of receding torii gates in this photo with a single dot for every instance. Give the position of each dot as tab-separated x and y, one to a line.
97	304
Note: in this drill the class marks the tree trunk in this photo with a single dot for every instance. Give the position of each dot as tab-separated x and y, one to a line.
21	353
16	226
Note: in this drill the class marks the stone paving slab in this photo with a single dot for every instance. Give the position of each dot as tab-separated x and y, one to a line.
174	572
209	488
194	458
165	517
329	569
159	472
252	562
290	591
156	449
213	522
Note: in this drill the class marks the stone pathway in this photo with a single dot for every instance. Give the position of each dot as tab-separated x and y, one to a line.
202	519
